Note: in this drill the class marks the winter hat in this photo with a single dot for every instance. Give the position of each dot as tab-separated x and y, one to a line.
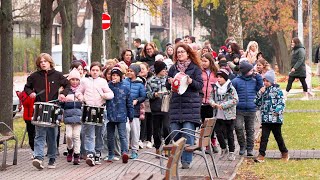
159	66
74	74
223	63
159	57
223	73
116	70
270	76
224	48
245	67
135	68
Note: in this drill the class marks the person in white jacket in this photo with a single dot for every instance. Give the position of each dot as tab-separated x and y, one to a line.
95	92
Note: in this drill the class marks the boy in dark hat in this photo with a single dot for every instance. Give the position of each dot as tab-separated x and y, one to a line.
119	109
156	89
247	85
224	99
138	94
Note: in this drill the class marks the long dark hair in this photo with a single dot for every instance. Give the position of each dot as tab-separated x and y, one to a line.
213	68
124	52
296	41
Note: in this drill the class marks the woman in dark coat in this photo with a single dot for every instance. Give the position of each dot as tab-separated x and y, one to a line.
298	67
185	109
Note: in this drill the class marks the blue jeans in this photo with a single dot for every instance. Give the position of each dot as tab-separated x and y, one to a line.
111	126
186	156
93	140
43	134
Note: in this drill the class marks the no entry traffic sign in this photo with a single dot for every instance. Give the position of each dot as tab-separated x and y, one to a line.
106	21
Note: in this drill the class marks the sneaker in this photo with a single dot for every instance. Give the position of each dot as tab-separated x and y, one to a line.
76	159
90	160
113	158
185	165
140	143
250	152
69	155
149	145
259	159
97	160
285	156
231	156
224	153
215	149
242	151
38	164
125	158
51	164
134	155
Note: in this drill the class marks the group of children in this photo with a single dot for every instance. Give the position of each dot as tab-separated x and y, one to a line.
123	91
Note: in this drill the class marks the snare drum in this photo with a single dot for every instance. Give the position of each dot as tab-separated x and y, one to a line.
180	84
92	115
45	114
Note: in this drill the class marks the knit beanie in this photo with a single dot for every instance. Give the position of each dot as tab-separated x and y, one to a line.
223	63
116	70
159	66
135	68
74	74
270	76
223	73
245	67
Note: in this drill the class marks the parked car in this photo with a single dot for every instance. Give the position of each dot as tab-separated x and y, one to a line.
15	103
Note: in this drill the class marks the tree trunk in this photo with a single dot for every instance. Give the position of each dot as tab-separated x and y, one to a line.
281	51
6	78
79	31
115	35
67	35
46	20
97	10
234	21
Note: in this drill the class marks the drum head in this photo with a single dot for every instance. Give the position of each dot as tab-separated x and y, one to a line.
183	85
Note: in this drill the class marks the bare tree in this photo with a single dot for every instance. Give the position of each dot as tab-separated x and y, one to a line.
6	65
234	20
79	27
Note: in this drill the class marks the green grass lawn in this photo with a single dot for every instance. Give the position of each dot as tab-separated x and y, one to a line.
300	132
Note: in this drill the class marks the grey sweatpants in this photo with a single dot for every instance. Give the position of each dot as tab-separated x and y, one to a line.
133	134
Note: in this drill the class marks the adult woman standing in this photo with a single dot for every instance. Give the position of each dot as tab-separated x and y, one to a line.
298	67
127	57
149	53
185	108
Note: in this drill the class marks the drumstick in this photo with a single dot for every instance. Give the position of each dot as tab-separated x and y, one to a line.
99	92
41	92
53	100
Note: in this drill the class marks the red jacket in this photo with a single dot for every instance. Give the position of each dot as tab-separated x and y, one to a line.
27	103
207	85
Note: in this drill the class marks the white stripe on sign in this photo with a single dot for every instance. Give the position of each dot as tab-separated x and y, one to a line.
105	21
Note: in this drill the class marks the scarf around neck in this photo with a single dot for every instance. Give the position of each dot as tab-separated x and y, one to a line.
182	66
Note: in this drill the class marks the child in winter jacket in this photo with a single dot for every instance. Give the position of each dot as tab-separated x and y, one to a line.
156	89
95	92
209	77
270	99
72	117
138	94
120	108
224	99
27	103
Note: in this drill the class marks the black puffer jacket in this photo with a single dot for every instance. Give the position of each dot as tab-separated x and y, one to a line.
186	107
46	85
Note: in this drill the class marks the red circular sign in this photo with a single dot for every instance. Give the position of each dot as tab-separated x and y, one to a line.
106	21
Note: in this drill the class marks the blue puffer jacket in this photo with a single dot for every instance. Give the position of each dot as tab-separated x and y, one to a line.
120	107
137	91
72	112
186	107
247	88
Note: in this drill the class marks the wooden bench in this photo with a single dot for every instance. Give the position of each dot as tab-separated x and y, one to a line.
171	169
4	138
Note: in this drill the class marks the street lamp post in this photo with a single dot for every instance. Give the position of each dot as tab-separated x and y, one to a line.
170	22
192	23
300	21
